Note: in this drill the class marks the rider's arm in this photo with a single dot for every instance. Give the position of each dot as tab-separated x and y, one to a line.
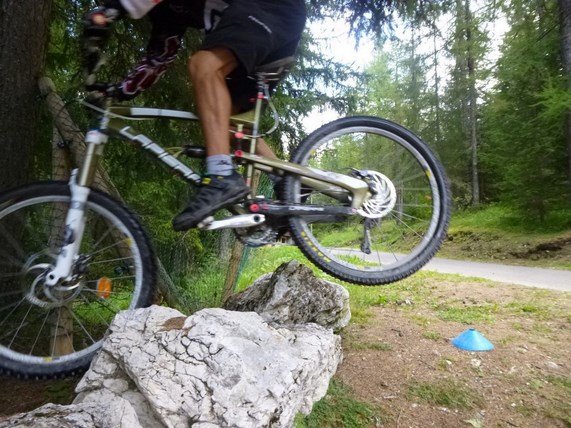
164	43
162	48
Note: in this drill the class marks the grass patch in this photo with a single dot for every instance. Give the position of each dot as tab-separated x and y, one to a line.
500	218
560	411
61	391
375	346
561	381
495	232
529	309
467	314
432	335
268	259
340	409
421	320
445	393
202	289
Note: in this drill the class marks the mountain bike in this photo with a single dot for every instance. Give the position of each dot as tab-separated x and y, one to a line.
364	199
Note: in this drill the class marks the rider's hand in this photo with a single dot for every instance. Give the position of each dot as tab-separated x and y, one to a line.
96	29
98	92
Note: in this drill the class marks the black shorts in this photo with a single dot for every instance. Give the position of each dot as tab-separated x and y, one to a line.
257	32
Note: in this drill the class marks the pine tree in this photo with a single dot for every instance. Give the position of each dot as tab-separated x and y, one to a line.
524	120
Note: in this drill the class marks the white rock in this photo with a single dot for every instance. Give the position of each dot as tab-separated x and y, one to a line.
215	368
293	294
221	368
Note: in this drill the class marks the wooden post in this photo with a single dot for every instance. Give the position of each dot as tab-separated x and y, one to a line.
61	332
61	342
237	253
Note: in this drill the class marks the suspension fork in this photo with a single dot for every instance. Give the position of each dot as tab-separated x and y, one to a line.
79	184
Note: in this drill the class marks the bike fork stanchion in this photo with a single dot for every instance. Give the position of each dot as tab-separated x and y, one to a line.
75	219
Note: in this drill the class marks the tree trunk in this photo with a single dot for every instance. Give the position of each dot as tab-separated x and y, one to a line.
24	29
565	19
472	104
435	65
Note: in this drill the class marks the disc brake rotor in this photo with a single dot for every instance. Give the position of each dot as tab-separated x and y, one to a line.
384	196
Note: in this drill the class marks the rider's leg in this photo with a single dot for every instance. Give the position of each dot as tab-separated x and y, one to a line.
208	70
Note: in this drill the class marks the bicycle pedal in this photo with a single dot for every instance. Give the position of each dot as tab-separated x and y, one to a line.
204	223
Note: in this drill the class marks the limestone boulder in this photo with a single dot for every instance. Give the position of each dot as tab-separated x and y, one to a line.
294	295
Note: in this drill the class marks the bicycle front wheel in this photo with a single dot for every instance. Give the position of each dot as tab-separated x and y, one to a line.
54	331
399	228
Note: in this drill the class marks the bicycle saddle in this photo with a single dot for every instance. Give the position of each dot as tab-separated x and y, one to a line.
274	70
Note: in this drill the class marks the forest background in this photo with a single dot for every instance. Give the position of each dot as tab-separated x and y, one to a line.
501	123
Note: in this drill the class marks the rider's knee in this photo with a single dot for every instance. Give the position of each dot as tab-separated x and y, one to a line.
199	65
206	63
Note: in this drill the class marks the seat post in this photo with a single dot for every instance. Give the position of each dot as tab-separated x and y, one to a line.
260	97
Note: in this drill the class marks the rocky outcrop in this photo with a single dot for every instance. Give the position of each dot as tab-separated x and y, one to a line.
294	295
215	368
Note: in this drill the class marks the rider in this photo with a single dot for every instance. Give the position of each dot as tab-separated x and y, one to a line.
239	36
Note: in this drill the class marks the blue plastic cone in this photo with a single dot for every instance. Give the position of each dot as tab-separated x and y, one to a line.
472	340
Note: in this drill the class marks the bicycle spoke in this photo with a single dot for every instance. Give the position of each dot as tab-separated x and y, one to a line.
9	239
10	293
107	232
111	279
82	327
111	260
31	234
98	314
12	275
56	330
20	326
9	257
40	332
12	311
105	304
406	225
107	248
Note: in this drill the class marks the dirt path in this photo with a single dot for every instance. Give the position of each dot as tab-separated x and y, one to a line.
551	279
402	362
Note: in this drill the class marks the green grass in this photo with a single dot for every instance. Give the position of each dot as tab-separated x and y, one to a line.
204	289
374	346
390	236
61	391
268	259
483	313
532	309
499	233
499	218
445	393
340	409
432	335
561	381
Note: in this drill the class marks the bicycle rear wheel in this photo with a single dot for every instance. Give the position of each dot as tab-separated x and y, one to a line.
399	229
55	331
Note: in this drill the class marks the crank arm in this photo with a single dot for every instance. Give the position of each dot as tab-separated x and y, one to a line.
237	221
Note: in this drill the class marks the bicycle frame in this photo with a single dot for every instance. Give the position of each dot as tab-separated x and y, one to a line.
114	121
317	179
